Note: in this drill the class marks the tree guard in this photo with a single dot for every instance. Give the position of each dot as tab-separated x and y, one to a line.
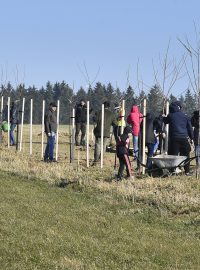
57	133
22	125
31	127
42	141
102	135
88	134
144	135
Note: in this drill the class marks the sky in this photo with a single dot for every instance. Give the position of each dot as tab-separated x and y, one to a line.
56	40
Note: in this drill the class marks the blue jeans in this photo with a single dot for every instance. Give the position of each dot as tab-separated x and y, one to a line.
12	137
136	149
49	148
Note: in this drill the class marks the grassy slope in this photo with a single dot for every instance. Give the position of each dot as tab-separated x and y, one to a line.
45	227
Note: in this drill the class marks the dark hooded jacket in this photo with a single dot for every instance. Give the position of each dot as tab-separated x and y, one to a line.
13	114
5	114
150	136
109	120
81	114
195	124
179	123
50	121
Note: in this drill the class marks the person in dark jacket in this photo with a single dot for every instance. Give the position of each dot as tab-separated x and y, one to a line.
122	153
160	133
50	130
195	124
150	139
109	120
80	121
13	121
5	114
180	130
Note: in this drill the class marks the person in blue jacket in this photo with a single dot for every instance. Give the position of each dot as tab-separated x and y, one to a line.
180	132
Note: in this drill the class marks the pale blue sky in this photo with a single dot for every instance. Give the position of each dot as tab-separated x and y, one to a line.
47	39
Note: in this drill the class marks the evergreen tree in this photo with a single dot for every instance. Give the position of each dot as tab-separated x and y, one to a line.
130	99
140	100
155	100
48	93
172	98
190	103
182	101
81	94
98	96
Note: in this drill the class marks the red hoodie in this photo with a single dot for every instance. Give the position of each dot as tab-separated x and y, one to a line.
135	119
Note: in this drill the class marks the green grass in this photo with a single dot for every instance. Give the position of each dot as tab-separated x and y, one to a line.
46	227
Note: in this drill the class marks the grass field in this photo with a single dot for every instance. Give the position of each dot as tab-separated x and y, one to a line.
46	227
93	223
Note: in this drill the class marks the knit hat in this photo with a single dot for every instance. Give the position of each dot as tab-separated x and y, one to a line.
128	130
53	104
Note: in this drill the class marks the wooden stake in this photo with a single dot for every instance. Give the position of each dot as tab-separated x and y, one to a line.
8	122
88	135
42	142
102	135
1	108
92	135
144	136
123	116
57	134
73	134
22	125
31	127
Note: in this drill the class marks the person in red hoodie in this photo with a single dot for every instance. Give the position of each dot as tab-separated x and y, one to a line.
135	119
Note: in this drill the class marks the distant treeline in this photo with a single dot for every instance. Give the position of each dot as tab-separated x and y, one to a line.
96	95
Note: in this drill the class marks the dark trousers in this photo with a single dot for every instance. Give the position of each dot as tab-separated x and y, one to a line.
117	133
180	146
124	161
150	147
49	151
80	127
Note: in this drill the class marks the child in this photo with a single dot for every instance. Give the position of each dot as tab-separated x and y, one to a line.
122	154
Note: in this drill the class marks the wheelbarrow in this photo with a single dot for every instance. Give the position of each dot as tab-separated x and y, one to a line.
168	164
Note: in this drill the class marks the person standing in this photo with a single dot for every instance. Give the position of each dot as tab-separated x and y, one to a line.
80	121
109	120
180	131
13	121
150	139
50	122
135	119
123	155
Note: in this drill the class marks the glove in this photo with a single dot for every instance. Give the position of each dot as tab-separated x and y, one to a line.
49	134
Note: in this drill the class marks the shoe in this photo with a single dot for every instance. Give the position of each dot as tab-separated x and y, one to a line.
46	160
131	178
177	170
118	179
189	174
82	143
53	160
